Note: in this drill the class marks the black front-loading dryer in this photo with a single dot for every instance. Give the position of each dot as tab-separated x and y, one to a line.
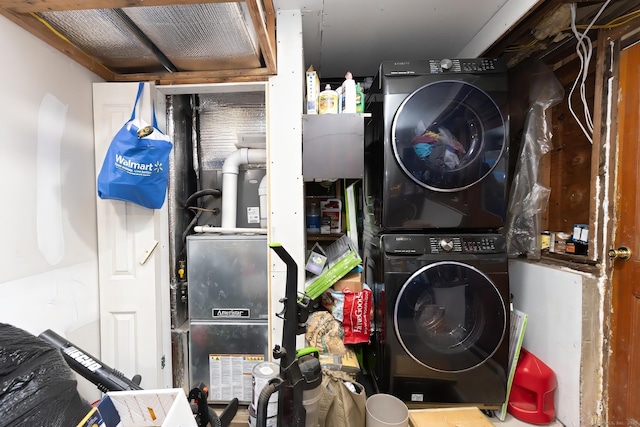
441	317
436	145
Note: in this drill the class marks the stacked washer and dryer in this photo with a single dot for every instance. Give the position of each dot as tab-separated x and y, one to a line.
435	189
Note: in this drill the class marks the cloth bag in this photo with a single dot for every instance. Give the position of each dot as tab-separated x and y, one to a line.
136	166
340	406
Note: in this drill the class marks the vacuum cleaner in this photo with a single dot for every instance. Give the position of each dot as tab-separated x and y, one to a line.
300	372
108	379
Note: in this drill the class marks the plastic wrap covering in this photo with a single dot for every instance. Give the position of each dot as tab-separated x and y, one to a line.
528	197
37	387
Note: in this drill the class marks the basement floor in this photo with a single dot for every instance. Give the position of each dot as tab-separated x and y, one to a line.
242	420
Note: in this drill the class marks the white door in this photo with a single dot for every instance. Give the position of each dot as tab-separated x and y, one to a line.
135	331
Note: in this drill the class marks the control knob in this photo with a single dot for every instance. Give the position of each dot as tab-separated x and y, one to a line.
446	244
446	64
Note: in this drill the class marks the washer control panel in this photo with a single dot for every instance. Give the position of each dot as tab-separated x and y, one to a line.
442	66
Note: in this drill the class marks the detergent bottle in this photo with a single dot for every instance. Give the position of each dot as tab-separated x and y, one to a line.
359	99
349	94
328	101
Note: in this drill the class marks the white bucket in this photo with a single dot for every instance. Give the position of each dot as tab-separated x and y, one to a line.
385	410
261	374
271	421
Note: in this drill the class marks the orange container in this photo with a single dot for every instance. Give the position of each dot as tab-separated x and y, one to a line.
533	390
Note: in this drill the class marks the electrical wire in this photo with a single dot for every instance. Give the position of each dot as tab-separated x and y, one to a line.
616	22
584	52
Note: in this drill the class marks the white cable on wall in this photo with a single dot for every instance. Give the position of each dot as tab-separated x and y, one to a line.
584	52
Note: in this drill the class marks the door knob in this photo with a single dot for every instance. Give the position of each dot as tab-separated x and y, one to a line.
622	253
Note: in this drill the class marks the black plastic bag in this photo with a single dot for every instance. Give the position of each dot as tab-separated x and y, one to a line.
37	387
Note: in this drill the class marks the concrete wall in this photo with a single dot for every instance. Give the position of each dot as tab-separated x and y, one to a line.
48	256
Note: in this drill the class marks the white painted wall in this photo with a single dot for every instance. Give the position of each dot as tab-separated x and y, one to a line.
552	298
286	185
48	255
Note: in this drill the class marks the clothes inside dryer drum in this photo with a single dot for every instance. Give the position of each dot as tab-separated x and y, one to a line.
450	317
447	135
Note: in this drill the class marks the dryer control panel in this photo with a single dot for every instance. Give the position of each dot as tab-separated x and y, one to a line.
442	66
477	65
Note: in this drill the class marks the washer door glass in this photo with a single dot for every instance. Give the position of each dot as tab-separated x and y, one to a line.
450	317
448	135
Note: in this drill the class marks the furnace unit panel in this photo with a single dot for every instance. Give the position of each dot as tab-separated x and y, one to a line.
228	312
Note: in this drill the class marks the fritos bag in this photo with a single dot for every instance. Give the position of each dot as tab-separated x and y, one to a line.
353	309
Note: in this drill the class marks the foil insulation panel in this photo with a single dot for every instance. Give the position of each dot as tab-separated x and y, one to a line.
222	117
102	34
201	36
211	36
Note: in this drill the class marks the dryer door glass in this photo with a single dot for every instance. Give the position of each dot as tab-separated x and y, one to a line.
450	317
448	135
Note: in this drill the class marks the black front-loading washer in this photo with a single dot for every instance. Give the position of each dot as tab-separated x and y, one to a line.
436	146
441	317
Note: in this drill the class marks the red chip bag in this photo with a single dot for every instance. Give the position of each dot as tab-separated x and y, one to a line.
356	316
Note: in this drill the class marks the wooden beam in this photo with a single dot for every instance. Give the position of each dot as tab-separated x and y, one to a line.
20	6
190	77
266	36
38	29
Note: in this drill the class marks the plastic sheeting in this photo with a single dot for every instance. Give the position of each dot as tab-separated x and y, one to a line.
37	387
528	197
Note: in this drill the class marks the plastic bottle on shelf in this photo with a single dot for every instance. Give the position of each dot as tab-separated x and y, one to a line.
359	99
349	94
328	101
313	218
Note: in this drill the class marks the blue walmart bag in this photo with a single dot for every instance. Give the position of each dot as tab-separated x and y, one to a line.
136	167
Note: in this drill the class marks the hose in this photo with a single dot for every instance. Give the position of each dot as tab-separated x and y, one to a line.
206	192
187	205
263	401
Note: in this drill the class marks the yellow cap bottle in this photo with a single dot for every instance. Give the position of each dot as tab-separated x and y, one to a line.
328	101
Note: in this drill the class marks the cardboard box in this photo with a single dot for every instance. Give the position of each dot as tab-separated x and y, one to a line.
351	282
104	414
313	90
150	408
457	416
92	419
347	362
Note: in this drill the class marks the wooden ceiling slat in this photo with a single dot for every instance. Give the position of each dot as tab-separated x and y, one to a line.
260	21
186	77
